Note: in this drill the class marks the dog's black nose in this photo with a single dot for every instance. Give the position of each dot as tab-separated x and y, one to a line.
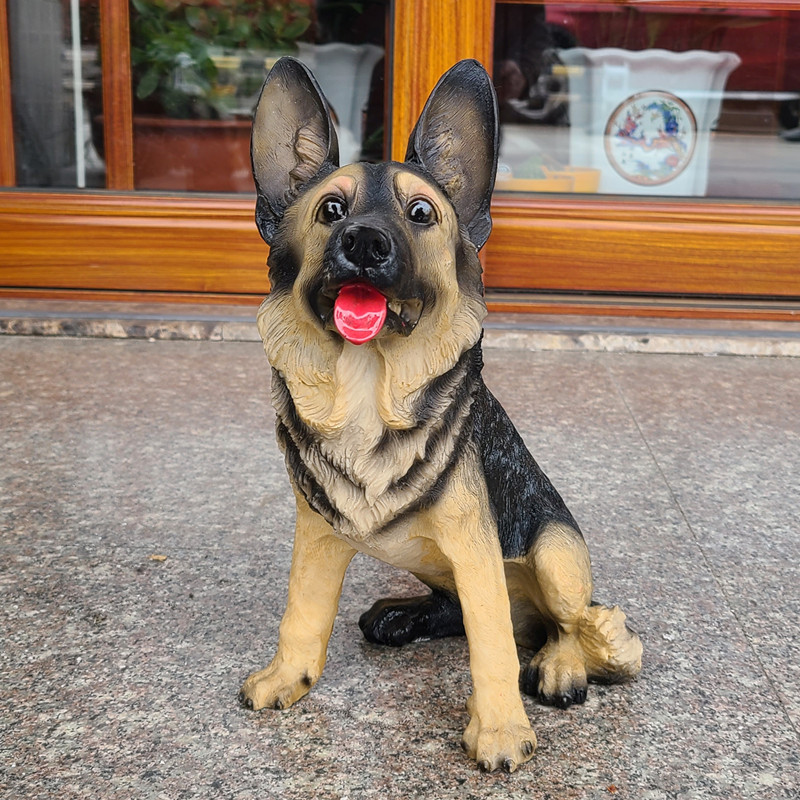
365	246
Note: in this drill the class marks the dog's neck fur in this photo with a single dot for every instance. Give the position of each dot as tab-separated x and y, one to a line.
318	366
360	436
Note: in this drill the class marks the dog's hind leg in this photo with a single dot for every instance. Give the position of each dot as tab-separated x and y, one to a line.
319	562
398	621
584	641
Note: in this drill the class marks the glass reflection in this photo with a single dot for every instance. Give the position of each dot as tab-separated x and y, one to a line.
649	100
56	93
198	66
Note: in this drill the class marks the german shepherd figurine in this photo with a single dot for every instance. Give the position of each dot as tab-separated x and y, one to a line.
393	444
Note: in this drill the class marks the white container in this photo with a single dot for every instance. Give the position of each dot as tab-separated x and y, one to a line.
344	72
644	117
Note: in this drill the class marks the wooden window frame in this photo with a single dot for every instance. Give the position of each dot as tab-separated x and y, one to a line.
118	242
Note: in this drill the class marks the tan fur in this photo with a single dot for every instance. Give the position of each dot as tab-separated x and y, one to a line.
319	562
430	544
498	733
551	586
349	397
308	358
456	324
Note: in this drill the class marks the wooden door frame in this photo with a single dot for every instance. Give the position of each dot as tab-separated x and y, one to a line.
122	242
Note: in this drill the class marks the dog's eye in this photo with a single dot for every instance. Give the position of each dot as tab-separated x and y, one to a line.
332	210
421	212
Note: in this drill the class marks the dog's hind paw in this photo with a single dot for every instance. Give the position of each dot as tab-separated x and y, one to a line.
556	675
603	649
562	696
276	687
398	621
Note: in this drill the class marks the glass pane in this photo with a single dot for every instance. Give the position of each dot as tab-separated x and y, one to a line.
56	92
198	66
649	100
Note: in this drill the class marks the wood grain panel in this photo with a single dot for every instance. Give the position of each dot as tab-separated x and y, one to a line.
428	38
115	50
130	243
672	248
207	245
499	302
8	170
133	296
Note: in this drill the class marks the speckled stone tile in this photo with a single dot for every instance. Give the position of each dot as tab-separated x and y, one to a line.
119	672
128	320
536	332
733	473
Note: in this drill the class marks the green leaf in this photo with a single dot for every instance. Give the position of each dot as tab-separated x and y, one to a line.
274	18
241	29
148	84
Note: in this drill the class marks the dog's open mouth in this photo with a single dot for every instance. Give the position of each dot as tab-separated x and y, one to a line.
359	312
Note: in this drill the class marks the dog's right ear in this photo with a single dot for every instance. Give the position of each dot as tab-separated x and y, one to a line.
293	141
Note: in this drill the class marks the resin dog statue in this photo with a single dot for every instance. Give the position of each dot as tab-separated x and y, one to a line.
393	444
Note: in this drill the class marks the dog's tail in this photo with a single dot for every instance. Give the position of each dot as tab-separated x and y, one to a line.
613	651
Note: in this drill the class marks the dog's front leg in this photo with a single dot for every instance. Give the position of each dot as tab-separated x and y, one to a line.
499	734
319	562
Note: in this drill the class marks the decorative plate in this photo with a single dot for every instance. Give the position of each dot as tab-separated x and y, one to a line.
650	138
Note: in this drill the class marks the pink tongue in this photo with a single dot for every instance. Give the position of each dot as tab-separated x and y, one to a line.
359	312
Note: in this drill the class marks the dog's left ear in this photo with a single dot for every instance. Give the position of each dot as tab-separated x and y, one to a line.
293	141
456	140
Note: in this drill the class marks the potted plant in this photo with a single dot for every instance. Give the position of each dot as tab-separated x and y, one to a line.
197	68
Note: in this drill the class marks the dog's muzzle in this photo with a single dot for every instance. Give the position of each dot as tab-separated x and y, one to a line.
366	288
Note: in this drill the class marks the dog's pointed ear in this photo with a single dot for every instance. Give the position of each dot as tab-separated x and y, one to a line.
293	140
456	140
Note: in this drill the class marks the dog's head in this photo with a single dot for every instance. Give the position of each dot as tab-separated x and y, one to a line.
372	251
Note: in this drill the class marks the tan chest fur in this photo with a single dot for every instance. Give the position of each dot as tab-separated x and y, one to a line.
353	435
370	470
356	431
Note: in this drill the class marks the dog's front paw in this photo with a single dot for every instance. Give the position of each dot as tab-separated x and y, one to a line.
499	747
277	687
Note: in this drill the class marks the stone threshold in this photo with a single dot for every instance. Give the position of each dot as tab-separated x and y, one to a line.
539	332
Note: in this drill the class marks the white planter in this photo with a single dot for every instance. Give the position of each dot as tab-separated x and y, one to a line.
644	117
344	72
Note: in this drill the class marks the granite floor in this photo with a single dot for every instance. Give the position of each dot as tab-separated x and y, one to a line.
145	540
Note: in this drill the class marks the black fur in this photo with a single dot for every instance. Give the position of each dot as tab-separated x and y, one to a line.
438	144
412	619
290	93
523	499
